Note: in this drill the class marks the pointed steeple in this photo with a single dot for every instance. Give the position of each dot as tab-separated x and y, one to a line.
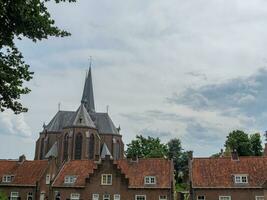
88	93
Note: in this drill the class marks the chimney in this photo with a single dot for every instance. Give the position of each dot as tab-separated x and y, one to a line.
22	158
235	155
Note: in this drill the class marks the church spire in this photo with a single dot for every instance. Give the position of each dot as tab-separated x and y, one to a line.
88	94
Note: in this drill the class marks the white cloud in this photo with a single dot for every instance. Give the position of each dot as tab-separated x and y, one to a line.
145	51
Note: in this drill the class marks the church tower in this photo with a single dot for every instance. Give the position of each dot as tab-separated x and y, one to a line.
81	134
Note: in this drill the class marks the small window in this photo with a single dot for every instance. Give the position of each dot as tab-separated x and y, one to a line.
140	197
106	179
74	196
7	178
150	180
241	179
95	196
30	196
224	198
259	197
106	197
42	196
57	195
117	197
14	195
162	197
201	197
70	179
47	180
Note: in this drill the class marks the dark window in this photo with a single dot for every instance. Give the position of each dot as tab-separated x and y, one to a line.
117	150
66	147
78	146
57	196
91	146
42	149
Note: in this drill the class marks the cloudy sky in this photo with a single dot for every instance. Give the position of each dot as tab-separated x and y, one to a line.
178	68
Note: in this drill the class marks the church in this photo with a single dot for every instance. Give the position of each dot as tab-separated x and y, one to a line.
80	155
81	134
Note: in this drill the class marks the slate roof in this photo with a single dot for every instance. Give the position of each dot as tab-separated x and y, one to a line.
105	151
60	120
53	152
25	173
134	172
219	172
82	118
101	121
88	93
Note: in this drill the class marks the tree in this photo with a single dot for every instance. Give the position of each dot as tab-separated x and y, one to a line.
149	147
239	141
180	160
255	143
30	19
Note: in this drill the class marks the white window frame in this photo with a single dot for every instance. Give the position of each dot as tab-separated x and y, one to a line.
222	197
7	178
138	195
14	195
259	197
104	179
47	179
70	179
162	197
198	197
75	196
239	178
148	180
95	196
117	197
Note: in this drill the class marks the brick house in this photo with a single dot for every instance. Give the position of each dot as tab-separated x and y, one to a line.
110	179
80	155
229	178
23	179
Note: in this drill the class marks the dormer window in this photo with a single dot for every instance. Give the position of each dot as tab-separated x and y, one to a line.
241	179
70	179
150	180
7	178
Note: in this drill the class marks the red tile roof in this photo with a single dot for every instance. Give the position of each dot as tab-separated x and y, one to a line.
134	172
219	172
80	168
26	173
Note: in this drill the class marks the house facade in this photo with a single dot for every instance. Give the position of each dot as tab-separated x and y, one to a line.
80	155
228	178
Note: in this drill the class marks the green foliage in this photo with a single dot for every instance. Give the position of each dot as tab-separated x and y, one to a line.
3	196
143	147
150	147
244	144
255	143
180	160
239	140
30	19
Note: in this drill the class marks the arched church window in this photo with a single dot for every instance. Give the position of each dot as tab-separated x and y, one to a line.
42	149
91	146
78	146
117	150
65	147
